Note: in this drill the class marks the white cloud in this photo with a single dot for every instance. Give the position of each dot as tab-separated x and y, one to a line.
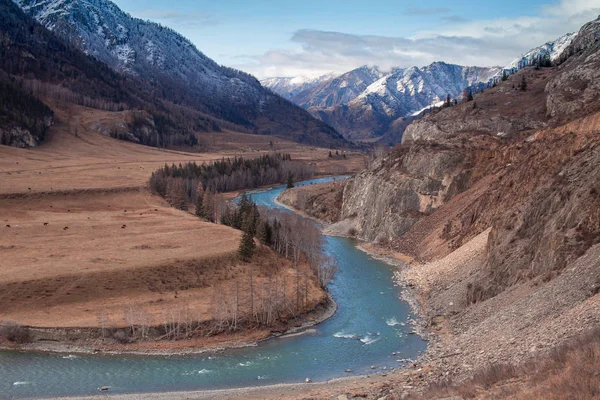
483	42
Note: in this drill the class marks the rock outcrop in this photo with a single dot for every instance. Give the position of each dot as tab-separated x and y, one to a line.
17	136
386	199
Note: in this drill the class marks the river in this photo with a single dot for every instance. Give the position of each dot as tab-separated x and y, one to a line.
369	325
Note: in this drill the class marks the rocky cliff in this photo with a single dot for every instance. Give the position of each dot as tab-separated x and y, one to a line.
522	162
386	199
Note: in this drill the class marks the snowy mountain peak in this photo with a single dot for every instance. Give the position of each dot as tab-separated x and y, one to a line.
553	49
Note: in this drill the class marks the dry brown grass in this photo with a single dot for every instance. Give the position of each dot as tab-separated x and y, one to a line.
76	156
570	371
86	239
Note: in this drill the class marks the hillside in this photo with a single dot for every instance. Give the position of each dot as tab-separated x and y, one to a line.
183	91
494	202
85	245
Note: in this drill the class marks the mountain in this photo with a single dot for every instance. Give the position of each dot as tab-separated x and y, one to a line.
35	63
385	106
498	202
176	69
326	91
553	50
367	103
290	87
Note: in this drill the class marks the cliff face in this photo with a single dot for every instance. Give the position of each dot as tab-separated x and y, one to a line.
523	163
386	199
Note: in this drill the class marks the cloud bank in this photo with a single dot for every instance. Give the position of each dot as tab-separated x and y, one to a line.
483	42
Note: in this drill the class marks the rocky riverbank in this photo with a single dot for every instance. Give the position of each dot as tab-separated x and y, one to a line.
196	345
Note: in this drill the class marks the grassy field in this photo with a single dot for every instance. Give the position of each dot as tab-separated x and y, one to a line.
82	238
76	156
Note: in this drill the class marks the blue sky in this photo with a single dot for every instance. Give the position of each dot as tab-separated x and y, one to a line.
312	37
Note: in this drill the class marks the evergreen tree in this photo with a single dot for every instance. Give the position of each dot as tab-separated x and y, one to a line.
504	76
246	249
290	180
330	155
469	95
208	210
448	101
200	204
523	83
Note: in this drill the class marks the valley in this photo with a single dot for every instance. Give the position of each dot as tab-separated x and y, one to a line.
98	243
174	228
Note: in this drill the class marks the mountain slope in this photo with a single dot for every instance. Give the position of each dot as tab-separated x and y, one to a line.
290	87
383	106
326	91
553	50
177	69
499	205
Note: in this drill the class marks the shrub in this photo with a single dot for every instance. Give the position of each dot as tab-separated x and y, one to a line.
121	337
15	332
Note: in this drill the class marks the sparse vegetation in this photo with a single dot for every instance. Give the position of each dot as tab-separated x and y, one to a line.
568	372
14	332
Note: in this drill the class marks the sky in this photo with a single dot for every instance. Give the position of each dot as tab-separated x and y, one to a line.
313	37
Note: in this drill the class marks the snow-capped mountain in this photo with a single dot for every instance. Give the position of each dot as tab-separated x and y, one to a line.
365	102
289	87
174	66
553	49
326	91
404	92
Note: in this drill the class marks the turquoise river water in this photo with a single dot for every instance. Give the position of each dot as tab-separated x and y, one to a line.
369	325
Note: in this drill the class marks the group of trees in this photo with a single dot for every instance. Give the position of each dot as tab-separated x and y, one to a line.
19	107
292	236
182	184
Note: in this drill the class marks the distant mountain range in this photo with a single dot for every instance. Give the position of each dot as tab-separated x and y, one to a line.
173	69
366	103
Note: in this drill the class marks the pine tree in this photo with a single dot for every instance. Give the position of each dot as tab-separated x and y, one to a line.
290	180
523	83
246	249
200	204
469	95
504	76
448	102
208	209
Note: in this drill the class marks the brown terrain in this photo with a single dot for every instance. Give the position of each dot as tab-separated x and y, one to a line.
495	209
84	244
322	201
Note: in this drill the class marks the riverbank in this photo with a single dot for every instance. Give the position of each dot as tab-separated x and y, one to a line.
217	343
411	294
335	349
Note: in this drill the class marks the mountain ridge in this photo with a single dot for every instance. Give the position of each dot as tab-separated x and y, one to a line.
179	71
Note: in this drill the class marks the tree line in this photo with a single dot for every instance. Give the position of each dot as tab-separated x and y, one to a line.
183	185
